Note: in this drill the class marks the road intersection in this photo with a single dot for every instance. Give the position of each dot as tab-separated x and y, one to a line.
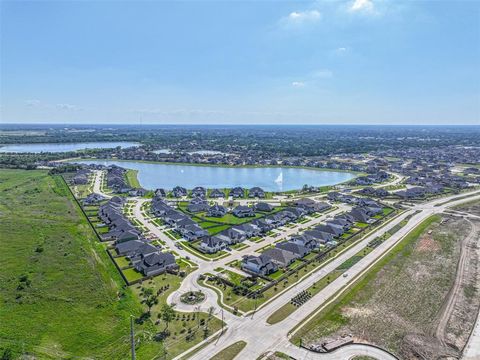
261	337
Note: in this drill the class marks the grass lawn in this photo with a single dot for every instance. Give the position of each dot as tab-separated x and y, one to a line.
131	178
206	224
132	274
230	218
122	261
73	304
387	210
275	275
230	352
295	264
233	277
361	225
216	229
181	338
240	246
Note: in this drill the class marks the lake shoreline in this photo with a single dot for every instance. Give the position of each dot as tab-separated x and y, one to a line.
152	175
357	173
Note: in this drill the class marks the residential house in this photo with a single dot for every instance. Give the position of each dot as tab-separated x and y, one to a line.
237	192
281	257
256	192
264	207
293	247
156	263
260	265
216	193
243	211
213	244
179	191
217	211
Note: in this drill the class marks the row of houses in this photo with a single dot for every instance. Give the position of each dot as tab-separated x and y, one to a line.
377	177
419	192
298	246
201	192
116	179
178	220
129	242
258	227
197	205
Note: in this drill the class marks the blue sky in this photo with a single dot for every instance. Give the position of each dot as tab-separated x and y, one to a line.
278	62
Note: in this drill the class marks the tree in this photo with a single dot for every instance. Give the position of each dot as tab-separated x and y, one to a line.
150	301
168	314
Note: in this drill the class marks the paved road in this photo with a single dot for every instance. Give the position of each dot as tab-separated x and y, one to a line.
254	330
97	183
208	266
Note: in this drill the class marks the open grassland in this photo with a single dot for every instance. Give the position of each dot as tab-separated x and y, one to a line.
397	304
61	296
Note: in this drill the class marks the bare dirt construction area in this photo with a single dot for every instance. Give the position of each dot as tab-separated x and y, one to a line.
471	208
421	304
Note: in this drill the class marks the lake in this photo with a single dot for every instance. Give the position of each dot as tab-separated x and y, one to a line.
153	176
56	147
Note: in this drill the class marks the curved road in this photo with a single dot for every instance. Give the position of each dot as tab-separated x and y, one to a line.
262	337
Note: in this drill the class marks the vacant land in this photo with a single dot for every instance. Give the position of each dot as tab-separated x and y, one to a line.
472	207
398	304
61	296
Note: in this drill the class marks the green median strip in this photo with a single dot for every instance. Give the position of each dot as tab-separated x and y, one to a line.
230	352
288	308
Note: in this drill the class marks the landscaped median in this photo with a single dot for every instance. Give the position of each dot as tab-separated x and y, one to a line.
234	299
330	316
230	352
291	306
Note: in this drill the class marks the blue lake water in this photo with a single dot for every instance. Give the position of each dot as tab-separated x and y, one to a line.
49	147
152	176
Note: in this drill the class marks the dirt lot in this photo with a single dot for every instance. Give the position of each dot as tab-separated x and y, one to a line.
471	207
414	306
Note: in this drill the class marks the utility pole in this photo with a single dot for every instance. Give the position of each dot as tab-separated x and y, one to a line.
132	338
222	320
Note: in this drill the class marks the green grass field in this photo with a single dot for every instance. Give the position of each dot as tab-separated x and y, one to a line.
61	295
230	352
131	178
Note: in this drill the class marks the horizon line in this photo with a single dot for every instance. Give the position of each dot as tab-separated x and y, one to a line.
233	124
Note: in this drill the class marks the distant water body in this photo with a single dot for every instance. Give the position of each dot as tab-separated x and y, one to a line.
56	147
153	176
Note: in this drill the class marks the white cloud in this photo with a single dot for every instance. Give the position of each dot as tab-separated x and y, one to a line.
361	6
298	84
309	15
298	18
